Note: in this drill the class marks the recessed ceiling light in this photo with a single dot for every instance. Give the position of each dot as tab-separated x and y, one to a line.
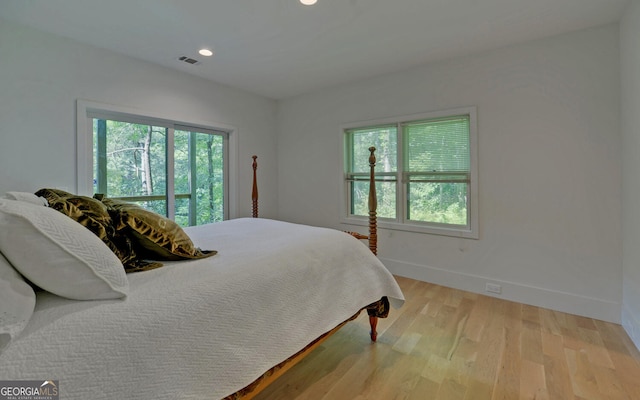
308	2
206	52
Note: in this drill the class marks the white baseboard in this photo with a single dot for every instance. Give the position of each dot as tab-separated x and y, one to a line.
631	325
571	303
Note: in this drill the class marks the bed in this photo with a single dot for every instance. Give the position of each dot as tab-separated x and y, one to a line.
223	324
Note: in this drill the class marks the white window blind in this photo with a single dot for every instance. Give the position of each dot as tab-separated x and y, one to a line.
426	172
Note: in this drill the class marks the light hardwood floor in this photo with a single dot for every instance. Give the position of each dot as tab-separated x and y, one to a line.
450	344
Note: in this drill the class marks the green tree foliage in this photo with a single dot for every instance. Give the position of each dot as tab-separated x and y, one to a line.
384	140
437	159
135	168
205	184
435	170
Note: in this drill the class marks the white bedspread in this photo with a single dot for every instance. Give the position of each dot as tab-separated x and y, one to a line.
203	329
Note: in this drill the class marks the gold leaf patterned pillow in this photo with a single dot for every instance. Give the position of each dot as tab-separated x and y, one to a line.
154	236
52	194
88	212
94	215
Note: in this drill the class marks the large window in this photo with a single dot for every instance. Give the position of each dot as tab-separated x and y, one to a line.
173	170
177	169
426	174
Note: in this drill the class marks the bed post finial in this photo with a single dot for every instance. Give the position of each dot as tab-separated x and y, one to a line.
254	191
373	204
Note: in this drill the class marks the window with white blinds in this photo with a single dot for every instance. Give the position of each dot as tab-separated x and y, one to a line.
426	174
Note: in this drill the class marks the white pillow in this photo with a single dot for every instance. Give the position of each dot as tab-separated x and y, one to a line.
58	254
17	300
28	197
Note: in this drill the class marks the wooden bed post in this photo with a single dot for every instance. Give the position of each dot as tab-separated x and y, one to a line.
373	219
373	204
373	227
373	323
372	237
254	191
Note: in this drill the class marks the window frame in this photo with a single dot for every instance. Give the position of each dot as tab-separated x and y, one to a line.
86	111
401	222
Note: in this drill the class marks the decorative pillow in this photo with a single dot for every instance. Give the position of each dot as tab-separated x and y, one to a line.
93	215
26	196
155	237
86	211
58	254
52	194
17	301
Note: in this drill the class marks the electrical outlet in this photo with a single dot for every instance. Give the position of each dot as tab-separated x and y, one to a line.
493	288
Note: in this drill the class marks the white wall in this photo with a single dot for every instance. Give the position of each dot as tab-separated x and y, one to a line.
42	76
630	127
549	150
549	175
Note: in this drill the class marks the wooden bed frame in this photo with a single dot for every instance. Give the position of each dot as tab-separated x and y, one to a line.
252	390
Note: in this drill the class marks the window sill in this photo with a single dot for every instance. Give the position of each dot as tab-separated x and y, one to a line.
426	229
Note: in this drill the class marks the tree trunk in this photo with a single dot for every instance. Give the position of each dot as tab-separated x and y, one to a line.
147	180
210	165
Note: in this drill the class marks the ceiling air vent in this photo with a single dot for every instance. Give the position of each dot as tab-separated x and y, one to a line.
188	60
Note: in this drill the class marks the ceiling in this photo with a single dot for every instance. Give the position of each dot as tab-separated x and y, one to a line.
280	48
